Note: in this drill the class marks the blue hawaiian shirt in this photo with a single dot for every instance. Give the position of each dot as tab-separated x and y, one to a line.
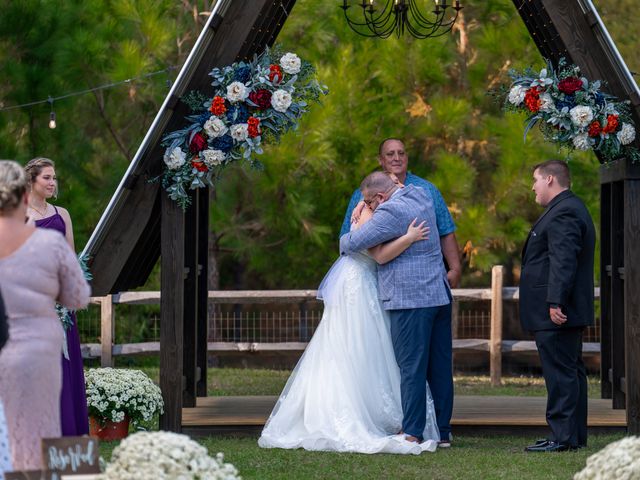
443	217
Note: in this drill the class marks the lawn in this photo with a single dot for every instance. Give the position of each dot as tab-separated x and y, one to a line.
471	457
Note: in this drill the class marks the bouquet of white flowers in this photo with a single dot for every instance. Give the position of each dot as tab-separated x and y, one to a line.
113	393
617	461
166	455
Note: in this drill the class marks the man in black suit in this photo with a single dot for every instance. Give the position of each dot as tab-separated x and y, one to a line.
556	301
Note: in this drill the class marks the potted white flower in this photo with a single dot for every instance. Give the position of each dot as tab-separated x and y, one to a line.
166	455
116	397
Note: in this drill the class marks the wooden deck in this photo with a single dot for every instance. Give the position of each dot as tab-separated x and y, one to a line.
470	413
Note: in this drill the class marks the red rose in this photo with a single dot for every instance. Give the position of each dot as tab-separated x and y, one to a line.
262	98
275	74
594	129
217	106
198	165
253	127
532	99
570	85
612	124
198	143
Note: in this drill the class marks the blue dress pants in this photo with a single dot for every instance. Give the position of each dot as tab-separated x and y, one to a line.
422	344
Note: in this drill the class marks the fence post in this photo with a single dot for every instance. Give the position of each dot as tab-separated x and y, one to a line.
495	343
107	322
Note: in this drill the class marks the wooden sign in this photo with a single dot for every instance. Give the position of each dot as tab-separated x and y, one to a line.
71	455
32	475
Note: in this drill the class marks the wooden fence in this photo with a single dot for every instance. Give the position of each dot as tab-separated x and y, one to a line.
495	345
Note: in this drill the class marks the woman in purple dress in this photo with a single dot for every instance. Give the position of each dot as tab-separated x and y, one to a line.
73	399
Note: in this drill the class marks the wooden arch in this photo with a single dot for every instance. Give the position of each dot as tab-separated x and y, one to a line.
141	224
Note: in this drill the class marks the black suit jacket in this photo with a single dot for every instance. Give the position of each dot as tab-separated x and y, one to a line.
557	265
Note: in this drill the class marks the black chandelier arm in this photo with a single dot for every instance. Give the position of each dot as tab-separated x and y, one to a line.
421	19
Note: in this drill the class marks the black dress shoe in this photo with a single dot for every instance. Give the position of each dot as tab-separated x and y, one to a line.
550	447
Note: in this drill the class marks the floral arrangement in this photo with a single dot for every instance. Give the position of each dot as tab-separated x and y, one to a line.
166	455
113	393
618	460
253	104
572	111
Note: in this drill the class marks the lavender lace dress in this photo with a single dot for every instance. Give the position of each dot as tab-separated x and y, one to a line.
73	399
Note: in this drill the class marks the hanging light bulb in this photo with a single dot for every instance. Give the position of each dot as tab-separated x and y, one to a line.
52	115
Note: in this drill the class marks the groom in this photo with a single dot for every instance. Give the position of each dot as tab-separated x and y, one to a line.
414	289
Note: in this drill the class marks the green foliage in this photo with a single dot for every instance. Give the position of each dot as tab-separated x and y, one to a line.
279	228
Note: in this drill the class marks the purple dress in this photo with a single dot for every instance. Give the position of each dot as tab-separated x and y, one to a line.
73	399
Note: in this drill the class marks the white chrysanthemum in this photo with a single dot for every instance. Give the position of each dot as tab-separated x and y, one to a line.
516	94
581	115
174	158
281	100
627	134
237	92
212	158
166	455
582	141
214	127
239	132
546	103
290	63
618	460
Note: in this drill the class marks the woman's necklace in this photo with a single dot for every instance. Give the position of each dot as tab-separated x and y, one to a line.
46	207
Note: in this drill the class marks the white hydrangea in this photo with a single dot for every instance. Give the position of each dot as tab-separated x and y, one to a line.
174	158
237	92
582	141
164	456
212	158
627	134
239	132
214	127
517	94
290	63
114	392
546	103
281	100
618	460
581	115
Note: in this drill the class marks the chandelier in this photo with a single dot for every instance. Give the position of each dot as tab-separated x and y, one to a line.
381	18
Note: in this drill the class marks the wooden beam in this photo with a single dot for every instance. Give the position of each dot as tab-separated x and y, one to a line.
202	317
632	303
495	346
107	323
616	303
605	285
171	313
190	308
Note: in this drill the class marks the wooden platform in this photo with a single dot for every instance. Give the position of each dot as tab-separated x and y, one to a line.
470	413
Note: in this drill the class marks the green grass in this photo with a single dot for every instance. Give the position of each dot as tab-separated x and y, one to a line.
239	381
471	457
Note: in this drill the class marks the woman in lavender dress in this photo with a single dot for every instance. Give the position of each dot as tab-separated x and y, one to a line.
73	399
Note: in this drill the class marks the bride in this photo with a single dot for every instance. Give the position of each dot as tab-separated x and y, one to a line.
344	393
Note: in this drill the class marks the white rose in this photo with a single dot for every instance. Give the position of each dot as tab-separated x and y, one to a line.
516	94
215	127
239	132
213	157
582	141
546	103
237	92
281	100
627	134
581	115
175	158
290	63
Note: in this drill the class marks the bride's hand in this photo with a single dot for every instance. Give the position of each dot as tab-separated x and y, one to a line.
417	232
357	212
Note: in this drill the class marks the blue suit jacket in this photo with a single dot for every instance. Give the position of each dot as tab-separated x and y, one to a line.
416	278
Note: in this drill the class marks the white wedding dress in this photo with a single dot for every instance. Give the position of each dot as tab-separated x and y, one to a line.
344	393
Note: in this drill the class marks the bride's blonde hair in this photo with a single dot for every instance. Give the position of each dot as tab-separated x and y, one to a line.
13	185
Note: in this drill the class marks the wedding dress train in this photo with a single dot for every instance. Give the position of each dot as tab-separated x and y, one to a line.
344	393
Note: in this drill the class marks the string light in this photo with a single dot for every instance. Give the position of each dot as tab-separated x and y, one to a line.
52	115
50	99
